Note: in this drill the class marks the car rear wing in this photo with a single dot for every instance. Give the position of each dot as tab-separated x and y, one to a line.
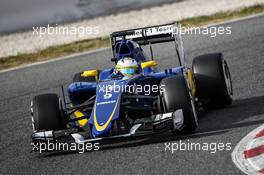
152	35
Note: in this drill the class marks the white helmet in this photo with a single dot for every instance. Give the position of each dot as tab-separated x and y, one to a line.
127	66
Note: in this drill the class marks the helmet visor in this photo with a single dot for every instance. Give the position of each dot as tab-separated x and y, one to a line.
128	71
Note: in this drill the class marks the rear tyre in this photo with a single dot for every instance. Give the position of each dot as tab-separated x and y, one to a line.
213	80
46	113
176	96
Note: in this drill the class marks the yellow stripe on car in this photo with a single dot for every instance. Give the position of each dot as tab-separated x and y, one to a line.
126	67
90	73
102	127
191	82
148	64
79	114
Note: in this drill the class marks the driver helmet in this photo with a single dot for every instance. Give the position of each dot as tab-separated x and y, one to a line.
127	66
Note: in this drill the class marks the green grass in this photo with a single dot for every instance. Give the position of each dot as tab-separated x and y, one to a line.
92	44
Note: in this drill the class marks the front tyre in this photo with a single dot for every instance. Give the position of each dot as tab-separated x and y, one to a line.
46	113
177	96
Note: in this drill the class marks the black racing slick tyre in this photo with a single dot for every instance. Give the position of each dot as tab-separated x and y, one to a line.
213	80
176	96
46	113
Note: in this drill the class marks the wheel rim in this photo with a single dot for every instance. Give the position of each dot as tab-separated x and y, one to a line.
32	118
227	78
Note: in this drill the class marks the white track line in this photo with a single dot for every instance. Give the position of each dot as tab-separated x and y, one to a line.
252	165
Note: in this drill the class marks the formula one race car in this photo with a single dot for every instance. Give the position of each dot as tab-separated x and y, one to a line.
133	98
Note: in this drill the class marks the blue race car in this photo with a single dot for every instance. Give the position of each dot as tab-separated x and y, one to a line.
134	98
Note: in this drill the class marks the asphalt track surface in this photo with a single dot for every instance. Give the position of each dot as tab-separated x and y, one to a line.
244	52
16	15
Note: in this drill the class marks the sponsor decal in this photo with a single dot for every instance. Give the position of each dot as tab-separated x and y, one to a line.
106	102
